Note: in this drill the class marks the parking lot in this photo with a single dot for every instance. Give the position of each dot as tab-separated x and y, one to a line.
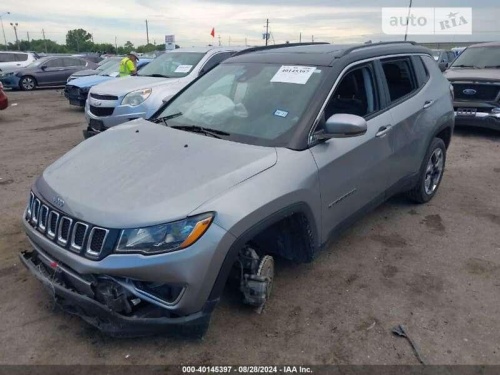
434	268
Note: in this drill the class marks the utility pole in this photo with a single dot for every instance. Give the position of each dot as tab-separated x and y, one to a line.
219	41
300	38
267	30
116	46
1	20
44	40
312	39
29	43
147	32
15	25
408	20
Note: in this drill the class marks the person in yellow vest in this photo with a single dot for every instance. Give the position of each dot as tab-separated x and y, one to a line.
128	65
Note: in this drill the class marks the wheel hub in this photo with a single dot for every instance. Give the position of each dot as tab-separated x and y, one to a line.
434	171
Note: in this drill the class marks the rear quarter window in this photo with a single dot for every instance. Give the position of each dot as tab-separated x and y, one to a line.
421	71
400	77
430	65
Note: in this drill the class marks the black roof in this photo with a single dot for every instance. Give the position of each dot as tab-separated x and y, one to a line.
487	44
323	54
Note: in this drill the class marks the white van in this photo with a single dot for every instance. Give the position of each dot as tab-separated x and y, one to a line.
12	60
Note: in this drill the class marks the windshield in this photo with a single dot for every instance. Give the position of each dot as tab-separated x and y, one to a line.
254	103
112	61
109	68
478	57
172	64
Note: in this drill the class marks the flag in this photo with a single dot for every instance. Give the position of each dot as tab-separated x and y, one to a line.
213	32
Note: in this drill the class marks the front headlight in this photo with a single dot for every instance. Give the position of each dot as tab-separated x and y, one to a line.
137	97
164	238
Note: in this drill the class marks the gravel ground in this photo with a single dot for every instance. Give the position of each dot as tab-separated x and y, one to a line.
434	268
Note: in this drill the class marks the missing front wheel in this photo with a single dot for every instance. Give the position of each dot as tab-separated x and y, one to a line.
257	275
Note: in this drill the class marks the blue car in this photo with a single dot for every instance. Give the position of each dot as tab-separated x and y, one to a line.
76	90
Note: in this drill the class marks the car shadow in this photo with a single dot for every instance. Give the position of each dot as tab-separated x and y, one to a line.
475	132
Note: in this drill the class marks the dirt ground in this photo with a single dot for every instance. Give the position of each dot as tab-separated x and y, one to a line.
434	268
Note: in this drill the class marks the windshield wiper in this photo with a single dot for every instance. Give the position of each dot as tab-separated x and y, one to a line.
165	118
157	75
198	129
466	66
492	67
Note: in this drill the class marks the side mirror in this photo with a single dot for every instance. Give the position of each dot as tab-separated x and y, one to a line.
343	125
43	67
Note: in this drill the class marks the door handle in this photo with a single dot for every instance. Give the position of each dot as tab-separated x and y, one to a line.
428	103
383	130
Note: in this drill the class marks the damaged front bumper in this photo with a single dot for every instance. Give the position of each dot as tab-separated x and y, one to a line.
77	295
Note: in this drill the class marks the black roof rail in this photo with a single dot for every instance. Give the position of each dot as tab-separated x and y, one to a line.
284	45
349	50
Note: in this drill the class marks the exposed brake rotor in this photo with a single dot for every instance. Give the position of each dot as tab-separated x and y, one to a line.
256	284
266	270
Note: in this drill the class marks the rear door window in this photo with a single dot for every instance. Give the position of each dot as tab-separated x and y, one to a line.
71	62
21	56
54	63
400	77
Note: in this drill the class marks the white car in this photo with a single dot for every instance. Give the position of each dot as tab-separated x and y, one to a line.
17	59
115	102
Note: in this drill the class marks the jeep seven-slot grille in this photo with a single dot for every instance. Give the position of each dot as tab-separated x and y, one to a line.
71	234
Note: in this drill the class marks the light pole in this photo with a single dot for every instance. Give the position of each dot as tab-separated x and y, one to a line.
1	20
15	25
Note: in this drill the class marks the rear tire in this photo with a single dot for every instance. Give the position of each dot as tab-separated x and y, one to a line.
27	83
431	173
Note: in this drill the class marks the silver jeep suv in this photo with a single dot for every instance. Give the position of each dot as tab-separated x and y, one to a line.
267	156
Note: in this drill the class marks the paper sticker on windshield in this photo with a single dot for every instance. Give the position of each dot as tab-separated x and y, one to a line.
281	113
183	69
293	74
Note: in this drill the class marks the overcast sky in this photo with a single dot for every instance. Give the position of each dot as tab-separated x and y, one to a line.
337	21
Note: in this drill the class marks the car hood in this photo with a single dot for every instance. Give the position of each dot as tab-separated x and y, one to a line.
10	70
140	174
89	81
86	72
463	74
125	85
